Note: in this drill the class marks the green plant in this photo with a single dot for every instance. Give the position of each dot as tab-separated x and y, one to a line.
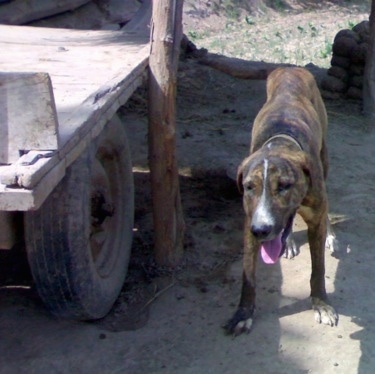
196	35
351	24
192	34
249	20
279	35
313	29
326	51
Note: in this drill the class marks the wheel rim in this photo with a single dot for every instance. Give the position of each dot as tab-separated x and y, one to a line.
104	221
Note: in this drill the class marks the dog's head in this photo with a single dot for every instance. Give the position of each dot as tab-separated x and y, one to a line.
273	187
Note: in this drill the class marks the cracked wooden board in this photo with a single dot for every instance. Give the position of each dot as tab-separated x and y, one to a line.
28	117
93	73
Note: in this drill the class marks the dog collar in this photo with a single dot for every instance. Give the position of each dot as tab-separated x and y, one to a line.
284	136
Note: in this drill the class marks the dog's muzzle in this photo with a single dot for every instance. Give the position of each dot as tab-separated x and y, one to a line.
272	249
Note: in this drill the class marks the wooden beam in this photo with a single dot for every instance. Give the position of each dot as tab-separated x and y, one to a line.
166	34
19	12
239	68
28	118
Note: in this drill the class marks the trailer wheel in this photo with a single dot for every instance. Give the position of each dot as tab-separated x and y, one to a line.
79	241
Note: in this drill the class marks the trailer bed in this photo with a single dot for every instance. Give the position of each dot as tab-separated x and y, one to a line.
93	73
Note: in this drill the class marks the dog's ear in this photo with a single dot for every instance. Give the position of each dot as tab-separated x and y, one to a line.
239	178
240	172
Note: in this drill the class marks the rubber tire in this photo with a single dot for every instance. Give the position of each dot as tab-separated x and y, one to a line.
70	280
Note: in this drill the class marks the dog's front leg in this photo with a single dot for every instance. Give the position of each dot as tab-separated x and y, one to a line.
324	313
242	319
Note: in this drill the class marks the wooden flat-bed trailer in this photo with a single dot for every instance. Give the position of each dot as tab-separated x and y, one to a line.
64	159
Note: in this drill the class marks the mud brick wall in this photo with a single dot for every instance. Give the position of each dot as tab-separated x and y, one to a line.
345	76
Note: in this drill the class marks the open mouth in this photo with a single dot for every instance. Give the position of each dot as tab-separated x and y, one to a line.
272	250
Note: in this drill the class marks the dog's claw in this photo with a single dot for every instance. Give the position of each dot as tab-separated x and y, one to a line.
324	313
241	322
239	328
243	327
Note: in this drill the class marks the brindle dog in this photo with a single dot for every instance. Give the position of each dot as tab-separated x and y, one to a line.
284	175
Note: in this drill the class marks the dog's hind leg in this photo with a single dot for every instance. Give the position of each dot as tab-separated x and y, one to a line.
291	249
331	242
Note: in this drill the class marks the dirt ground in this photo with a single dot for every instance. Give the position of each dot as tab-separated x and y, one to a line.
169	322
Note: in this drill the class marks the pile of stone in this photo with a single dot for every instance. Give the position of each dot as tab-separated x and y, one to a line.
345	76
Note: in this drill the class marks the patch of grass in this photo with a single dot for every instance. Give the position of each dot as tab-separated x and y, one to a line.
195	35
326	50
228	8
231	10
298	39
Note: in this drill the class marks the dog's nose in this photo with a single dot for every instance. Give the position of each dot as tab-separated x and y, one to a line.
261	231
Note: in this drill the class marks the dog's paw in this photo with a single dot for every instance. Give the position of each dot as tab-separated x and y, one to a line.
241	322
332	243
291	249
324	313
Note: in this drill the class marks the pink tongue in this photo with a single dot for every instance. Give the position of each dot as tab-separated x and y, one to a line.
271	250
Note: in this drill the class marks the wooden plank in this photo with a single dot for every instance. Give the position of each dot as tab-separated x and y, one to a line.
27	173
93	73
28	118
79	62
93	117
16	199
95	15
21	199
18	12
140	23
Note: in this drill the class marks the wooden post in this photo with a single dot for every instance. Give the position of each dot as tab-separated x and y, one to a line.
369	74
169	227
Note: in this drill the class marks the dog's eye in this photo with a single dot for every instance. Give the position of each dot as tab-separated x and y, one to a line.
283	187
249	187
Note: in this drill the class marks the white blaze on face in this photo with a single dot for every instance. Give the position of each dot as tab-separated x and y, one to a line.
265	171
262	215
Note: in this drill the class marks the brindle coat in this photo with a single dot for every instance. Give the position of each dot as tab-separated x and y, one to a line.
284	175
